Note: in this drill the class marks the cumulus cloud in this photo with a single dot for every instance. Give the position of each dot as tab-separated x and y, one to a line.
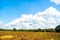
56	1
48	18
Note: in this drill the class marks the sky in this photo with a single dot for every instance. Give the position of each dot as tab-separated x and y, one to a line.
29	14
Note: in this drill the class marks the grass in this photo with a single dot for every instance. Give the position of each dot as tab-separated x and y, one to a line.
6	36
10	35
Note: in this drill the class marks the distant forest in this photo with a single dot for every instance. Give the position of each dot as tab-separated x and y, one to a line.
57	29
30	30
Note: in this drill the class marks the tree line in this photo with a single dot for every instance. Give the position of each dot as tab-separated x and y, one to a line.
57	29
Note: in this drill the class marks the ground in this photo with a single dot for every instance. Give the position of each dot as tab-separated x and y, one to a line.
10	35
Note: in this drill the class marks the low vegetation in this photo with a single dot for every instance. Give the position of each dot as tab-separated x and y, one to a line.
31	34
16	35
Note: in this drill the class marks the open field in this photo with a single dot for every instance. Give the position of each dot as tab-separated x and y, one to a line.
8	35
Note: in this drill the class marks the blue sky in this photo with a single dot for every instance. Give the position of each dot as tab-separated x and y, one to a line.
12	9
29	13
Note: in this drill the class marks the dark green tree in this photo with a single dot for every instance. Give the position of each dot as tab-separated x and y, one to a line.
57	28
14	29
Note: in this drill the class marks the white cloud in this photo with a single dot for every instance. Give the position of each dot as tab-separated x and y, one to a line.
48	18
2	25
56	1
1	22
45	19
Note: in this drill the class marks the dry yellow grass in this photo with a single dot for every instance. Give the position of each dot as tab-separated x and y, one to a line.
8	35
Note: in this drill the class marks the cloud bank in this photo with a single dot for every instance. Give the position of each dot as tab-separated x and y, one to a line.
49	18
56	1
